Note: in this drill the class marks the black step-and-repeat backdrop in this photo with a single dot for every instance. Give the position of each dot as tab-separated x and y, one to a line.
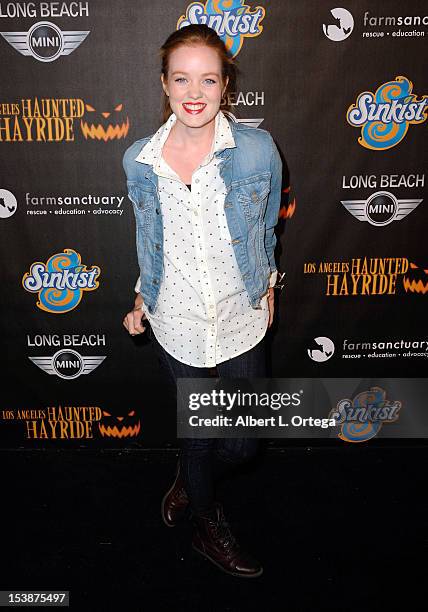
342	91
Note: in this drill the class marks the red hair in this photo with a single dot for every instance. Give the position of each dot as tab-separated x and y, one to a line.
192	35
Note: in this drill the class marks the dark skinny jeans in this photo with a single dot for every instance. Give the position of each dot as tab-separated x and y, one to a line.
203	461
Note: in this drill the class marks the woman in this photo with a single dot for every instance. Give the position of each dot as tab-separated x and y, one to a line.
206	196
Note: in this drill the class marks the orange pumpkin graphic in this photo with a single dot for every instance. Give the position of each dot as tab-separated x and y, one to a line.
113	125
119	426
288	204
418	283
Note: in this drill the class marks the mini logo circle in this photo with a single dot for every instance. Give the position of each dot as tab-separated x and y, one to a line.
340	26
67	363
8	204
321	349
45	41
381	208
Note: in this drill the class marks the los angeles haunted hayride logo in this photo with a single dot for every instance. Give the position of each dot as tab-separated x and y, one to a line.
54	120
370	276
60	282
55	422
119	426
106	125
73	423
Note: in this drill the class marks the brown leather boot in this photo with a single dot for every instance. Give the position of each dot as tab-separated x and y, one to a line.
213	539
175	501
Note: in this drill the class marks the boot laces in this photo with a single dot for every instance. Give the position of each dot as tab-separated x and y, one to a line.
223	533
180	494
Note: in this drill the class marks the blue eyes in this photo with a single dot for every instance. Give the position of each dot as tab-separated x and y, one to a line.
181	79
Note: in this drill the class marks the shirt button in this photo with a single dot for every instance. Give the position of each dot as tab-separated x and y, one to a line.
195	212
196	180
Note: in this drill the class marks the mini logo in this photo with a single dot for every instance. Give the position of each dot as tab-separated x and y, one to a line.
362	418
254	123
233	20
8	204
321	349
45	41
384	116
381	208
340	27
67	363
60	282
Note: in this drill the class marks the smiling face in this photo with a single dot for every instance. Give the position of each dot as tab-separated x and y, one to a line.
194	84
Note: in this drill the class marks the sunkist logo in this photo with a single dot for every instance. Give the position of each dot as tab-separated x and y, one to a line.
61	281
384	116
362	418
231	19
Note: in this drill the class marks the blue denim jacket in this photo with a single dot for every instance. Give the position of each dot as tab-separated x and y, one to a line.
252	173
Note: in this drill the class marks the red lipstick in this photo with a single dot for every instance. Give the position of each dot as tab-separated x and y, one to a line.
194	108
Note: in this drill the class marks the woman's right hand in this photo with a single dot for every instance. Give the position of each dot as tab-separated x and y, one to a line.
133	320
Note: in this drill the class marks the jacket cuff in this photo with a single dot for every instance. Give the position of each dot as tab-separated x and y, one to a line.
272	278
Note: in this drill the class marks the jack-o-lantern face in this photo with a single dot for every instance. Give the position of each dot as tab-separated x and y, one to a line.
288	204
418	282
112	125
119	426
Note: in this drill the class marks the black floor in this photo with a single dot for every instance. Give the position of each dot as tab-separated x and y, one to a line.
335	528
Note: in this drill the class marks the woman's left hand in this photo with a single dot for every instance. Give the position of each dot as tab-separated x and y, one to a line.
271	305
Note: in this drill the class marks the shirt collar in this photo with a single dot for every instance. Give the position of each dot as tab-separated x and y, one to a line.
223	139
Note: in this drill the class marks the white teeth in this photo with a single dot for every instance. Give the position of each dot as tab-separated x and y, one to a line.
194	106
